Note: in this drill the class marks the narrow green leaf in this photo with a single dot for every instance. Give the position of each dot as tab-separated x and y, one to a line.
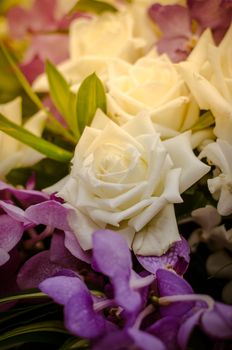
205	121
63	98
39	144
29	295
74	343
48	326
94	6
15	317
91	95
22	79
27	87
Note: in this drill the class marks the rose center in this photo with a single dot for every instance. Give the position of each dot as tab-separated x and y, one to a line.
117	163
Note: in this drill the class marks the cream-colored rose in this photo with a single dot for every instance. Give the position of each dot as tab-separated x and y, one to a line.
127	179
152	84
220	154
94	43
12	152
208	73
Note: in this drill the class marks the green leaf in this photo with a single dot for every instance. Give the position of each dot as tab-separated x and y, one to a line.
91	95
74	343
18	316
63	98
205	121
25	84
26	295
94	6
52	332
39	144
27	87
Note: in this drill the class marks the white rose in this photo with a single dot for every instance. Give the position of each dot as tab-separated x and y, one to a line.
127	179
220	154
12	152
208	73
93	43
151	84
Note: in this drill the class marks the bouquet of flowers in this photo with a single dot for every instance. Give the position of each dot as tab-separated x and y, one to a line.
116	174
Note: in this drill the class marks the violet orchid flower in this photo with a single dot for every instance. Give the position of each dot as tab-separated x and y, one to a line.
34	210
49	263
81	317
182	26
53	214
111	257
64	252
176	299
11	232
129	339
12	218
163	319
25	197
176	258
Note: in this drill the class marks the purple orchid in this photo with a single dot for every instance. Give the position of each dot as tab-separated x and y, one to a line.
12	218
11	232
182	26
117	265
34	209
24	196
177	299
176	258
53	214
129	339
161	319
8	274
48	263
111	257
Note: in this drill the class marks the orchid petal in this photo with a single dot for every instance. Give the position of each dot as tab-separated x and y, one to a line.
111	256
62	288
80	317
176	257
169	283
166	329
217	322
11	232
37	269
50	213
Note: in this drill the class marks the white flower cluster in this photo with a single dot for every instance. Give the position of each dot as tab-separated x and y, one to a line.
130	168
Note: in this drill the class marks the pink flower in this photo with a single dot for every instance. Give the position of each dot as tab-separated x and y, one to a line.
46	32
181	26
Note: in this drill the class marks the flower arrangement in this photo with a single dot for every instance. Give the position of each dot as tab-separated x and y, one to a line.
116	174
